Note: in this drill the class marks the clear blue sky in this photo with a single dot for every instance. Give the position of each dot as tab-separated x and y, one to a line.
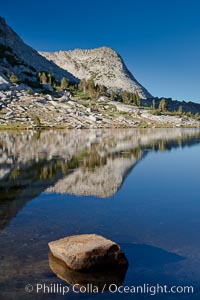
159	40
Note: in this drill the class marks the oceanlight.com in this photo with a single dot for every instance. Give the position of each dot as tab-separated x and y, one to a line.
152	290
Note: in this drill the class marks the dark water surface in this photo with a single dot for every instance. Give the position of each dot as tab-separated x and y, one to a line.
139	188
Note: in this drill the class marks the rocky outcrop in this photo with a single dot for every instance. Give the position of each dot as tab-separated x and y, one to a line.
88	252
20	107
22	59
103	65
4	82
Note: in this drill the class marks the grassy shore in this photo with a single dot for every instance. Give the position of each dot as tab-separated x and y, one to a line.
19	127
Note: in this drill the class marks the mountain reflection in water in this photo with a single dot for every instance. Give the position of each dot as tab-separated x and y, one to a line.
81	162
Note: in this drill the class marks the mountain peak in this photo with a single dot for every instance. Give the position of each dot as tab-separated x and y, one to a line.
104	65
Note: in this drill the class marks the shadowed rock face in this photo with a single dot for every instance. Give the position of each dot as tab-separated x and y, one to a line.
104	65
27	56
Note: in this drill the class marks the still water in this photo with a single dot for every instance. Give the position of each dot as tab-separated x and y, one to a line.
139	188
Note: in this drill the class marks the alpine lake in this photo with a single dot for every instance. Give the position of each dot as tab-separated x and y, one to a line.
137	187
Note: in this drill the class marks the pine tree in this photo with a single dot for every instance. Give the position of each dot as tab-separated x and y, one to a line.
82	86
163	105
113	95
14	79
153	104
180	110
137	99
91	88
49	79
39	76
102	89
64	83
133	100
43	78
124	97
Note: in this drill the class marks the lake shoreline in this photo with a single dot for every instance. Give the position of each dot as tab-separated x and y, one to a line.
42	128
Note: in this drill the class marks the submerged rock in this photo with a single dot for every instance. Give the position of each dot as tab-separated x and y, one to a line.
99	279
88	252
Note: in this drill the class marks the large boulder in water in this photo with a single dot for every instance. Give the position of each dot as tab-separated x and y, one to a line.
88	252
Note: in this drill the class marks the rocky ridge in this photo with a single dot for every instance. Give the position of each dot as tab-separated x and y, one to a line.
21	59
4	82
103	65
